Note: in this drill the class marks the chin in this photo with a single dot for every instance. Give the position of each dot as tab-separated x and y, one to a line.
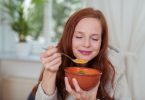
89	58
86	58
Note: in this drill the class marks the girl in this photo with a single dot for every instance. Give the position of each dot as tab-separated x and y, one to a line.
85	36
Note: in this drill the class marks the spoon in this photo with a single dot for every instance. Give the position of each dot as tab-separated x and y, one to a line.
78	61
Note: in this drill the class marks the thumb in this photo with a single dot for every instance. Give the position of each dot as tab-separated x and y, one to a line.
95	89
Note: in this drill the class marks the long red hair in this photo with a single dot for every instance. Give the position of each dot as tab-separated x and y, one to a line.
100	62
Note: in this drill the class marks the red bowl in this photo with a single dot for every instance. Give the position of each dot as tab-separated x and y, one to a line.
87	77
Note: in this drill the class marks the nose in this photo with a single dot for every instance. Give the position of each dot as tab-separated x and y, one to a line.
86	43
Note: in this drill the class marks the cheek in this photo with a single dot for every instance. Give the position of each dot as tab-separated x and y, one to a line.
96	47
75	52
75	43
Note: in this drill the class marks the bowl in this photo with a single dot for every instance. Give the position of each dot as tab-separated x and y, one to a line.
87	77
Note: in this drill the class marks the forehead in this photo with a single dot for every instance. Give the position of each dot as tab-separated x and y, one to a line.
92	25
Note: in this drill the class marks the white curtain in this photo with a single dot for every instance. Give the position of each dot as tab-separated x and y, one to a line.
126	21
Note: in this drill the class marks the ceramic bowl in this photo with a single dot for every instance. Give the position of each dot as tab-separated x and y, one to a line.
87	77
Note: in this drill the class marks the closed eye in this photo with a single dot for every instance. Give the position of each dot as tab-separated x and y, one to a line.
79	37
95	39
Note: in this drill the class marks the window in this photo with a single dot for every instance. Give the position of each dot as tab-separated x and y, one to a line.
61	9
51	16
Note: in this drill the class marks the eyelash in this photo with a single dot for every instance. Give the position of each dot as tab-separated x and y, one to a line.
79	37
95	39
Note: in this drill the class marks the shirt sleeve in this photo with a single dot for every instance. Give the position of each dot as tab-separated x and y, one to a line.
40	95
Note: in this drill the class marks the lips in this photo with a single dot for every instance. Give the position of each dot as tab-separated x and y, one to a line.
84	52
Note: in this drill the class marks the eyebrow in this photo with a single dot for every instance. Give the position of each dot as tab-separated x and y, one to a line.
79	32
84	32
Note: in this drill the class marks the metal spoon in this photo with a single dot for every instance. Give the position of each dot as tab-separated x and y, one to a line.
78	61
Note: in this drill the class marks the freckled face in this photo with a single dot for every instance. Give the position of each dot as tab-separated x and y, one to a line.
86	40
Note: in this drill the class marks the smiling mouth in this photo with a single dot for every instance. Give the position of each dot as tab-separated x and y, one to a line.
85	52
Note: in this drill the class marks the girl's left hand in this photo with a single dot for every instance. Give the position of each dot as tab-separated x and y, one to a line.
80	94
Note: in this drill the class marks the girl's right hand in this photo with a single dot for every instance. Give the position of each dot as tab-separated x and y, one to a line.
51	59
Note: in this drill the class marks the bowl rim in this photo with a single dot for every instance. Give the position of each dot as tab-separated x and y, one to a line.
99	72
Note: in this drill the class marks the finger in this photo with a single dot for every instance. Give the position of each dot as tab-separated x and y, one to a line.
70	90
51	65
56	65
49	47
55	68
49	59
97	86
76	85
68	87
49	52
95	89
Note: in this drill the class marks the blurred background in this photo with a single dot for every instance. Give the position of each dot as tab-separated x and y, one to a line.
28	26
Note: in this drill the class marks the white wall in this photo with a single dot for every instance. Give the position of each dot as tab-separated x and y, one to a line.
0	83
18	78
20	68
14	88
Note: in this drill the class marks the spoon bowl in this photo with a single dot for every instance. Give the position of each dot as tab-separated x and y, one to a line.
78	61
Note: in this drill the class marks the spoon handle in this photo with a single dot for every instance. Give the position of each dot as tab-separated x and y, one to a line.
67	56
62	54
